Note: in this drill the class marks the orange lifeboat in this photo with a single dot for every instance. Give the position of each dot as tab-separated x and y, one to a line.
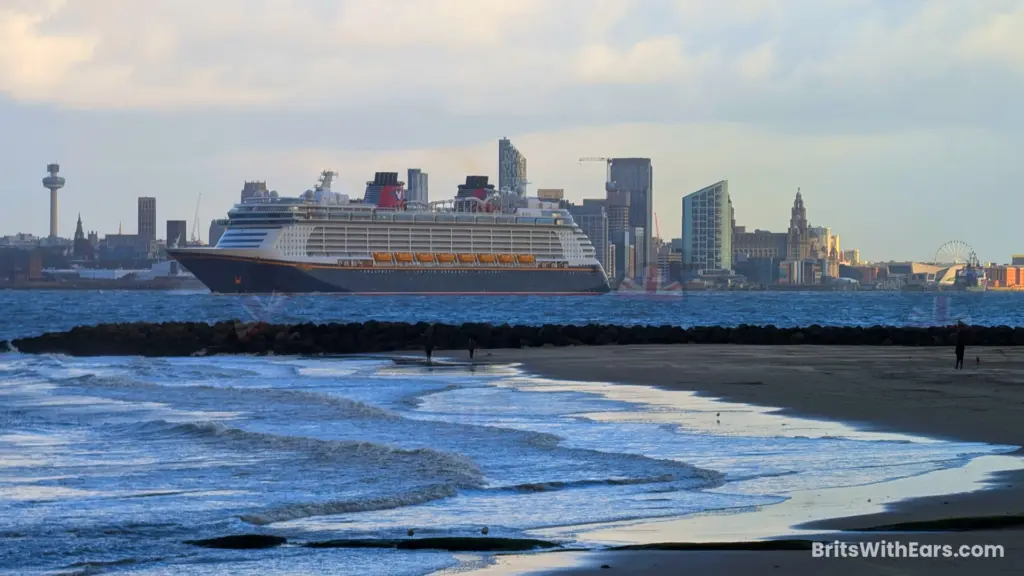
525	259
506	258
403	257
487	258
446	258
467	258
425	257
383	256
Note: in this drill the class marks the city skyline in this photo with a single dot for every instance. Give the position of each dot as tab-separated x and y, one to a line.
151	220
881	122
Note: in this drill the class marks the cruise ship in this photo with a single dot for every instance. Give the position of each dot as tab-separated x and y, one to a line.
483	241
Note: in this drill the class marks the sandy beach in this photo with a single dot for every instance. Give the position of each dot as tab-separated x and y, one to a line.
900	390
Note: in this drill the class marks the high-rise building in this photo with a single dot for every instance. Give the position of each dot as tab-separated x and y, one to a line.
511	168
217	228
147	218
417	187
635	176
176	235
707	228
593	220
637	237
617	207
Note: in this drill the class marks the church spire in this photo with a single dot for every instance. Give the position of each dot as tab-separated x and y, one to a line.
79	233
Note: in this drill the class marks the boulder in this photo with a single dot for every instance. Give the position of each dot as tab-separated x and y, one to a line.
240	542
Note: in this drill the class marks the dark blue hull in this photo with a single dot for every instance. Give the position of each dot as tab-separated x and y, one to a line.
236	275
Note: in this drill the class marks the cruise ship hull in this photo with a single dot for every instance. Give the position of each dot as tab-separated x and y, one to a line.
228	274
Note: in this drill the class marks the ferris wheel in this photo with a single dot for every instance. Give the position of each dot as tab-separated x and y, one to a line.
955	252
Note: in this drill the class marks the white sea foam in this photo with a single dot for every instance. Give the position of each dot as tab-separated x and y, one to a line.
199	447
332	508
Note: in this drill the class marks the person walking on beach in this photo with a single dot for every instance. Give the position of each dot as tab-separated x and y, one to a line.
472	347
961	344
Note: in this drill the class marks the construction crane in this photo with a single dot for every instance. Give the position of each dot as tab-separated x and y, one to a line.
195	222
608	169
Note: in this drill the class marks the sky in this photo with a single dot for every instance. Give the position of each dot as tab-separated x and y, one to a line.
900	121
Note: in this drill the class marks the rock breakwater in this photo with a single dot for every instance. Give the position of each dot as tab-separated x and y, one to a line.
195	338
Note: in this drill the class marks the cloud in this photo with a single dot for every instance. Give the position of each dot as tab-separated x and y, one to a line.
733	11
758	64
37	65
1000	39
866	101
652	61
680	60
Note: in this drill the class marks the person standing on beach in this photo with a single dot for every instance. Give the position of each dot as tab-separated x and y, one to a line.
428	342
472	347
961	345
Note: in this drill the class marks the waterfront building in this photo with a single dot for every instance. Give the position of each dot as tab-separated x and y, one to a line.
707	229
798	241
759	243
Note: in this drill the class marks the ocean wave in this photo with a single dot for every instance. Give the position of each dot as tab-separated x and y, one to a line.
416	399
340	405
334	508
556	485
419	463
758	476
689	477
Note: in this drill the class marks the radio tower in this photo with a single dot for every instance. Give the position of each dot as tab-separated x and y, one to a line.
53	182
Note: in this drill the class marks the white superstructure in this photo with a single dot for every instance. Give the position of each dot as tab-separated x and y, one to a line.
325	226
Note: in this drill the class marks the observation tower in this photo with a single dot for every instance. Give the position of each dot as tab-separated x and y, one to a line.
53	182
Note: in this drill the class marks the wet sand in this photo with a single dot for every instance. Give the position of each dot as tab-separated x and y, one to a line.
900	390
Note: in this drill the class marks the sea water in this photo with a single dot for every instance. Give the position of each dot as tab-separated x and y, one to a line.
110	464
28	313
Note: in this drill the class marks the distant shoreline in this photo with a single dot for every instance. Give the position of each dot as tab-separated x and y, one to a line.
165	285
85	285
